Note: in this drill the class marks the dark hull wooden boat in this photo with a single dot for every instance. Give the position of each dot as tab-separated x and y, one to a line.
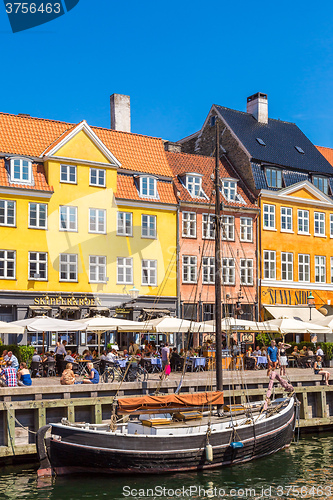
173	447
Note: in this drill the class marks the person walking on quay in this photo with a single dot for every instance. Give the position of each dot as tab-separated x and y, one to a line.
272	357
318	369
165	355
282	357
8	376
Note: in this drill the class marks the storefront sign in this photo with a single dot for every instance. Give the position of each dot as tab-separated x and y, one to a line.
247	337
83	301
272	296
121	310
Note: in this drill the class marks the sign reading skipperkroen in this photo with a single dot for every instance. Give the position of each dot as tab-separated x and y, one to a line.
26	15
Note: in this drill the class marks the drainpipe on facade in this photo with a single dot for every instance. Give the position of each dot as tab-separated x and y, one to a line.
259	260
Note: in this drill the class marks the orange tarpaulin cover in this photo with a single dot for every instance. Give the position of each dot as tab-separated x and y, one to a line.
158	403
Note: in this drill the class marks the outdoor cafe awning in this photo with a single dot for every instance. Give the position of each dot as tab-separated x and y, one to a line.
295	312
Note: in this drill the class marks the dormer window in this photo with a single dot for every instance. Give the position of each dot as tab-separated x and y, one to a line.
148	186
320	183
20	171
229	189
274	177
194	184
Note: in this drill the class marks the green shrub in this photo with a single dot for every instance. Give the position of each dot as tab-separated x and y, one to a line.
14	348
26	353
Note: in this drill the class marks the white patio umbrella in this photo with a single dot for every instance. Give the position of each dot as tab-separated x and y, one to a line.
10	328
46	324
237	324
101	324
169	324
291	325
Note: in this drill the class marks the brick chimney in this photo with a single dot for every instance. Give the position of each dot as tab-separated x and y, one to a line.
120	108
257	105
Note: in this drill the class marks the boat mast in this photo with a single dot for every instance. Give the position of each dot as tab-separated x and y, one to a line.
218	266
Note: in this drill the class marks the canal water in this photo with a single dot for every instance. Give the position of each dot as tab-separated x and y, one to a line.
304	470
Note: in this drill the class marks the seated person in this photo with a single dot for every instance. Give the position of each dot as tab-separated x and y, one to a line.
310	352
69	358
133	349
111	356
176	361
103	356
250	355
295	352
303	351
36	357
8	376
23	375
264	351
68	377
318	369
93	377
147	349
87	355
94	354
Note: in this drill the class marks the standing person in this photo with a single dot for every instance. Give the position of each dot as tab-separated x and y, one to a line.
272	356
133	348
8	375
318	369
319	351
165	355
60	351
282	357
23	375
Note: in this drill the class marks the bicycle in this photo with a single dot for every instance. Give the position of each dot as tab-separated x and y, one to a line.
135	372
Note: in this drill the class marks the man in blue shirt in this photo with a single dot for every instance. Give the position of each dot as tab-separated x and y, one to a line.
272	355
13	359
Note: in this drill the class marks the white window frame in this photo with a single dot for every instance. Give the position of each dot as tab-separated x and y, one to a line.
287	220
287	266
149	272
38	264
20	180
319	220
320	269
98	174
331	225
304	267
97	211
189	268
228	228
208	270
124	223
189	224
124	264
317	179
270	173
70	262
97	263
269	219
5	212
269	270
150	188
6	260
65	173
193	184
246	229
146	227
38	208
246	272
229	189
208	226
68	210
228	271
303	217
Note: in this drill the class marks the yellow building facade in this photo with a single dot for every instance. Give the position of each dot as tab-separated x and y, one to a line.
83	222
296	246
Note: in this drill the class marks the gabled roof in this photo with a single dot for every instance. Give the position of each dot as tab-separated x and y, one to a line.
39	180
31	137
296	191
181	163
280	138
327	152
127	190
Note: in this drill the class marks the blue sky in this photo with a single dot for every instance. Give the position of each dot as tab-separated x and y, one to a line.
175	60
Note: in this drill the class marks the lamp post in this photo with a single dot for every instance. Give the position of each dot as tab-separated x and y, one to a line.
311	302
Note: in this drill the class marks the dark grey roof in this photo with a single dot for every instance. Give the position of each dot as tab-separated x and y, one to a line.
280	139
259	176
291	177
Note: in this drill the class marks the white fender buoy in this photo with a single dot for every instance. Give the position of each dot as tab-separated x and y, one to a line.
209	453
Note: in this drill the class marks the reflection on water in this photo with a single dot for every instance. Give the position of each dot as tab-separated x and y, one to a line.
302	471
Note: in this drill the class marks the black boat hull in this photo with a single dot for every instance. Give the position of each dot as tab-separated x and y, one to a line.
76	450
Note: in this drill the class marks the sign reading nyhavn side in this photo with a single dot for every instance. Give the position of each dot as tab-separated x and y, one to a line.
67	301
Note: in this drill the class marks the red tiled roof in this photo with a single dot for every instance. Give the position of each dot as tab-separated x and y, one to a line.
127	190
27	136
181	163
327	153
39	178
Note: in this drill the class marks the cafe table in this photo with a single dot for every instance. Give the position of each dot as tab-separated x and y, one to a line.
198	363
